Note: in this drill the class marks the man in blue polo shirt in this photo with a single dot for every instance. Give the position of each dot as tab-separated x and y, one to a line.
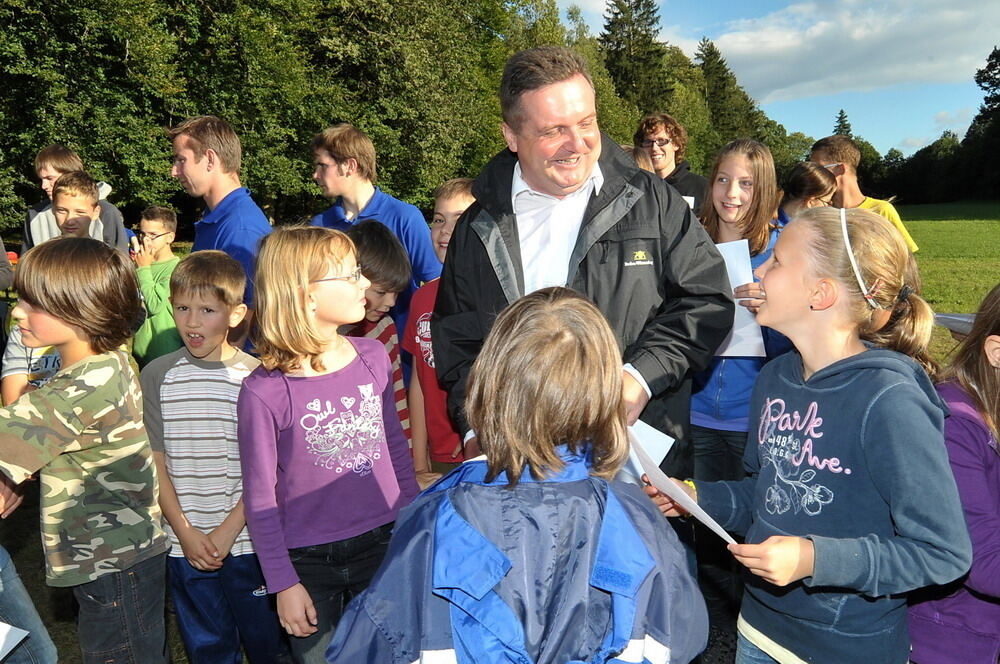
206	162
345	170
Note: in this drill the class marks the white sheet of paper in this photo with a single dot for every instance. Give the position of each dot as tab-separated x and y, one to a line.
654	442
745	339
667	486
10	636
690	201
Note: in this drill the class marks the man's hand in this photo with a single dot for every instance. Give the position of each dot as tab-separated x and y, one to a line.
779	560
635	397
296	612
199	549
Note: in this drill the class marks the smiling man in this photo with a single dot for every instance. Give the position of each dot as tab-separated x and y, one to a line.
563	205
206	162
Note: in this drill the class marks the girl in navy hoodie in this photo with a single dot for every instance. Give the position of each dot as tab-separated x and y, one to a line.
850	502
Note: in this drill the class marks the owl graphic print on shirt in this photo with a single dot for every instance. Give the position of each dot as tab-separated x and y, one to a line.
348	435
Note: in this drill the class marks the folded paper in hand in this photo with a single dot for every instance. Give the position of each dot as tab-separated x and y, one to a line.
674	492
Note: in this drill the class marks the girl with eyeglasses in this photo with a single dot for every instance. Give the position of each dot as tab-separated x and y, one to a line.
326	466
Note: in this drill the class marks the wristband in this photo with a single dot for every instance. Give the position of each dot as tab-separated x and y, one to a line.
694	489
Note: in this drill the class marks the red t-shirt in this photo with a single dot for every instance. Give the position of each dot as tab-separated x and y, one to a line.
441	434
385	332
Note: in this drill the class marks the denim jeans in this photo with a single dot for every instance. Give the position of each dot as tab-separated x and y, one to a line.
748	653
16	609
226	611
121	619
334	573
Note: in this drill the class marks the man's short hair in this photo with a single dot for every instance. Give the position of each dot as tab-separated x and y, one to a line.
383	259
345	141
162	215
674	129
454	188
207	132
76	183
59	158
840	148
532	69
210	273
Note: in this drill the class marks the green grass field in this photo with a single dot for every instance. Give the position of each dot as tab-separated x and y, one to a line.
959	256
959	260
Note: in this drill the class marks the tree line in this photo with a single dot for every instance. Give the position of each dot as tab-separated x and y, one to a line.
420	77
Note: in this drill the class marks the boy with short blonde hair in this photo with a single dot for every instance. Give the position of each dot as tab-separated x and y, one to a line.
40	225
437	446
190	414
155	262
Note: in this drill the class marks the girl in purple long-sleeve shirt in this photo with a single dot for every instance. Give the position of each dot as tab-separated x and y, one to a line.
961	622
326	466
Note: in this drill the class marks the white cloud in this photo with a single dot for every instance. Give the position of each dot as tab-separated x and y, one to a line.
912	143
826	47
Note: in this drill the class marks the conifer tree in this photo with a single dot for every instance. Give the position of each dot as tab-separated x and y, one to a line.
734	113
842	127
633	54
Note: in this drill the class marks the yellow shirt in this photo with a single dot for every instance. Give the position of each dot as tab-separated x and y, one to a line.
886	209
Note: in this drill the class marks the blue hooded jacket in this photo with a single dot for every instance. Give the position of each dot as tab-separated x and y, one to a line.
720	396
567	570
853	459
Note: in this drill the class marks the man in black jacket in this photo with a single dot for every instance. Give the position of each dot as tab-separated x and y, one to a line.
665	139
557	209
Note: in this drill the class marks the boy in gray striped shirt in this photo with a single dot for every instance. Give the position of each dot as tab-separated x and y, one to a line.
189	399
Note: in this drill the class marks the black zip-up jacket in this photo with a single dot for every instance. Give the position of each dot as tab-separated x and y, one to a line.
640	256
689	183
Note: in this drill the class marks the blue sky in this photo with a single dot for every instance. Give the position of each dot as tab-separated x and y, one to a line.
902	69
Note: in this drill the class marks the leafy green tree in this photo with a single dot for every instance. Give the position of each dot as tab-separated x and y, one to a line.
842	126
687	104
870	168
633	53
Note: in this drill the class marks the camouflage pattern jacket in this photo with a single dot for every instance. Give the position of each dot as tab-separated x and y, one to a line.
83	430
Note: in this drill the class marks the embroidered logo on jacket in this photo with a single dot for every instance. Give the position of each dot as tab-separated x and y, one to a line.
350	438
639	257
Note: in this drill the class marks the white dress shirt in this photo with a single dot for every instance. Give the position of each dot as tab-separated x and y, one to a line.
547	228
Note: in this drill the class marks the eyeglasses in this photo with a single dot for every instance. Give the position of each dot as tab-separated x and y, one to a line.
832	166
662	142
353	278
149	236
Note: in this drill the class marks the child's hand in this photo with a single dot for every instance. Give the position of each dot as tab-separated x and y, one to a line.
296	611
663	502
425	478
750	296
141	256
223	538
11	496
778	560
199	549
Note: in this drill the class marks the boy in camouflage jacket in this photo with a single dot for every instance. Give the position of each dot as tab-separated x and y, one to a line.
101	525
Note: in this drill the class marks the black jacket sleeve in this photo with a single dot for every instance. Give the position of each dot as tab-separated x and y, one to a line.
463	314
697	311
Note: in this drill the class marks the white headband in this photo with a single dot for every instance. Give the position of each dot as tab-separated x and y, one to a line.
854	263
